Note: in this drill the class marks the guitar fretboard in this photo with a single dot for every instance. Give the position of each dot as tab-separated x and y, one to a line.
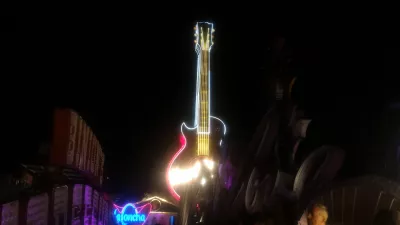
203	130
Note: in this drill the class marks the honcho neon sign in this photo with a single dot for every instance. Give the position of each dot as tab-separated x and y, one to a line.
131	214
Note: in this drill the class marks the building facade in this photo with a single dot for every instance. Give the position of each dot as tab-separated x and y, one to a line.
67	189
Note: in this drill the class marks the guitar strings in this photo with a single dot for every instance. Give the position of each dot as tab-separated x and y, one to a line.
203	135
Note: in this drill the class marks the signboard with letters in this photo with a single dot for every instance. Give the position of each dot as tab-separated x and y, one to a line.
74	144
142	214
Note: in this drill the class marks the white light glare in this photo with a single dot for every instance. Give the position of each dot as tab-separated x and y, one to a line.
181	176
209	164
203	181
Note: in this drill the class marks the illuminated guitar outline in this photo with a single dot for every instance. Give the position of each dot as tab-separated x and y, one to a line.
202	111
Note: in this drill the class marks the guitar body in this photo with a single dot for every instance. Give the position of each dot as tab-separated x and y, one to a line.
217	133
193	171
186	155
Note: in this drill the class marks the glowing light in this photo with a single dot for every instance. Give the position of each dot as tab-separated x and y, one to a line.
129	214
203	181
209	164
182	140
180	176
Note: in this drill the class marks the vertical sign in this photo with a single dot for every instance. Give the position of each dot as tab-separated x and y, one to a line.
75	144
89	151
82	160
96	161
79	139
72	138
101	167
93	158
61	134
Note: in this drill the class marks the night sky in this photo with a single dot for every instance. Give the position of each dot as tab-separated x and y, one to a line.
133	81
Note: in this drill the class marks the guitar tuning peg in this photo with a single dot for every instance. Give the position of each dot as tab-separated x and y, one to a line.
213	30
195	41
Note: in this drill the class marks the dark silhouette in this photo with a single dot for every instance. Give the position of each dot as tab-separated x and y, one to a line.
384	217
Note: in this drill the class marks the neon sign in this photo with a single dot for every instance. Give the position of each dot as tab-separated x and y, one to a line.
131	214
203	45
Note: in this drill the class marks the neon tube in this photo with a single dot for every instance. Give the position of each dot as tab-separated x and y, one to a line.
198	49
183	143
136	218
182	140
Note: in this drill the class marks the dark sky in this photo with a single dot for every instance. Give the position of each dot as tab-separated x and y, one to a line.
132	79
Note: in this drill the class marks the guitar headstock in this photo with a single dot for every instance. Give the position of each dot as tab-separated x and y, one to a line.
204	35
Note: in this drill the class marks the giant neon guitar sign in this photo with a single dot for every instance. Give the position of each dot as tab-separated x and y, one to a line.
203	140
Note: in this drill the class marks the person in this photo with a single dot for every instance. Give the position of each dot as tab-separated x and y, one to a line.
317	215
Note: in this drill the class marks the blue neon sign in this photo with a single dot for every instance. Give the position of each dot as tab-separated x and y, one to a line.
129	215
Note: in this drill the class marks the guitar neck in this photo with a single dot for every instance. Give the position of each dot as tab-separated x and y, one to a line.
204	109
203	48
204	94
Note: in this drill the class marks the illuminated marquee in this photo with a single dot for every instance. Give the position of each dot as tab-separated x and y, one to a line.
131	214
